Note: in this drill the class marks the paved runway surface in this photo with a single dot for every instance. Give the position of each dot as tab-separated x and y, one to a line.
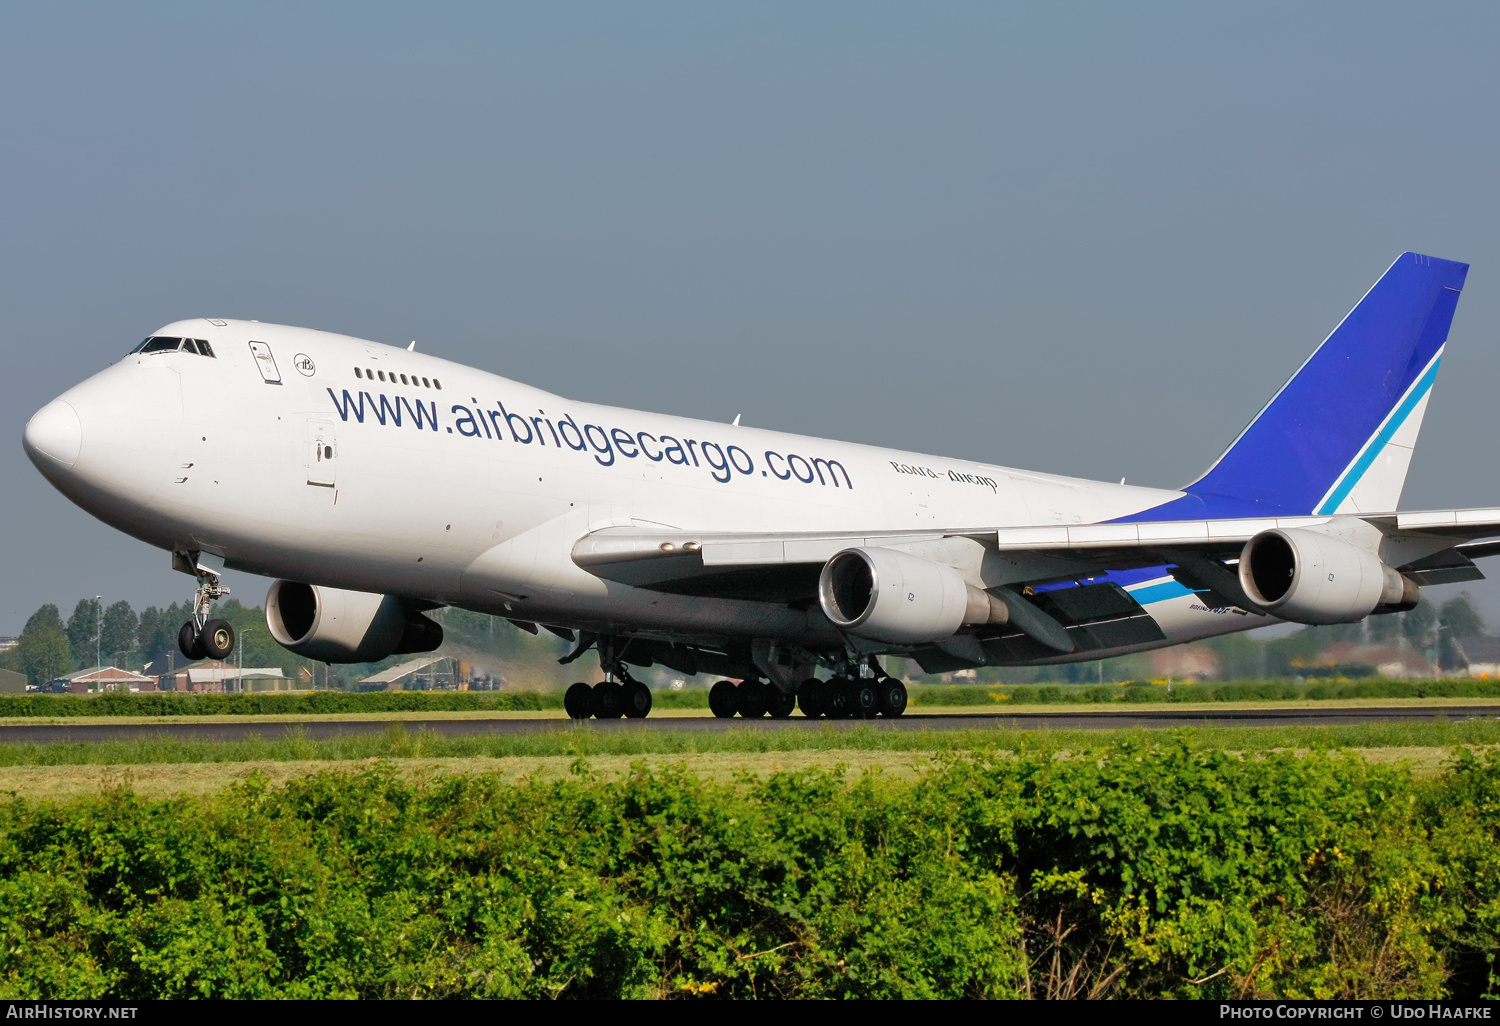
1070	720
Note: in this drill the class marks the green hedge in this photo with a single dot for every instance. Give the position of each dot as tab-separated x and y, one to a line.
1208	691
172	703
1131	871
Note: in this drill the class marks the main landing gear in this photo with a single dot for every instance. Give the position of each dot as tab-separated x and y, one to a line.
846	697
618	694
752	698
200	637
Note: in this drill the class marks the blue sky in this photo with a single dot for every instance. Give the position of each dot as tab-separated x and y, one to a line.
1090	239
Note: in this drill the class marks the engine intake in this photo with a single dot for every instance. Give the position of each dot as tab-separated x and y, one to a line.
890	595
336	626
1309	577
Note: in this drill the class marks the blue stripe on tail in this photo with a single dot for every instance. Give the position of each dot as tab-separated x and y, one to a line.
1310	436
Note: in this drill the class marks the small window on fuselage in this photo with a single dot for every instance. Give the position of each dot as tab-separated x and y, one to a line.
358	373
437	384
382	375
426	383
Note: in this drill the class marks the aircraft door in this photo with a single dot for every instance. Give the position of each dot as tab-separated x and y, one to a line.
320	454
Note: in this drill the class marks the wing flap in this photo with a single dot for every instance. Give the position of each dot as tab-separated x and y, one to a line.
1459	523
740	565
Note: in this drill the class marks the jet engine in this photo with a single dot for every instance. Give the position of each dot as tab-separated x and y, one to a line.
337	626
1308	577
890	595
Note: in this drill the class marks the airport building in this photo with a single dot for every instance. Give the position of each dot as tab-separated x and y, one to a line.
213	676
107	678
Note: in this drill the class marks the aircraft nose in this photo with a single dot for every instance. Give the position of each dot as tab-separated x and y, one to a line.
54	433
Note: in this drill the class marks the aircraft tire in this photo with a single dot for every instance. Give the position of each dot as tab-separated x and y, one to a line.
723	701
837	701
782	704
753	699
892	697
808	695
216	639
637	700
577	700
604	701
864	700
189	643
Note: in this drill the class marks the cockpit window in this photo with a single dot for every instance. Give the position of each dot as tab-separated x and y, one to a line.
168	344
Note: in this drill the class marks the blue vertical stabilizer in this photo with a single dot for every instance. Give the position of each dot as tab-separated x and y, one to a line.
1338	436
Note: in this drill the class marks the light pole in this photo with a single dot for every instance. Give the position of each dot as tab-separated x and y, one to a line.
98	630
241	677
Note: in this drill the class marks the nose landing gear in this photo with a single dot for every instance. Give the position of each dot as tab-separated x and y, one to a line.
200	637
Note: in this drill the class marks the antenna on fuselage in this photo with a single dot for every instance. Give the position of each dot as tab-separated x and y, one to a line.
413	347
736	420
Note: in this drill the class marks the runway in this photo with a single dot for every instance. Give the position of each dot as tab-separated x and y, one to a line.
1112	719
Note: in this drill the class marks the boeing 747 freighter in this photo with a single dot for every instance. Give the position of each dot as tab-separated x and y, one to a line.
377	484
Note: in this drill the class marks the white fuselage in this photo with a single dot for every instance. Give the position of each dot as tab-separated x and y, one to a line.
461	487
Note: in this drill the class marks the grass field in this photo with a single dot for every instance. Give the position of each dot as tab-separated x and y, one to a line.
163	766
164	780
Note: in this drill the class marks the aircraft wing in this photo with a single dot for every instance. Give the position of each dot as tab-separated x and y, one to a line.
785	566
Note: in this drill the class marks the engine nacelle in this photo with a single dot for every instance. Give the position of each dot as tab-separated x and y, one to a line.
336	626
889	595
1308	577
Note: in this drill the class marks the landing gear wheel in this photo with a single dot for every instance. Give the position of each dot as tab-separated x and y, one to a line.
637	700
753	699
892	697
577	701
808	694
723	702
864	699
837	702
782	703
190	643
604	701
217	639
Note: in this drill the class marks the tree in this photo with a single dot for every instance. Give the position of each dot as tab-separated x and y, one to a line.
83	632
156	633
1417	624
1459	619
1241	657
1384	628
46	616
42	650
120	625
44	654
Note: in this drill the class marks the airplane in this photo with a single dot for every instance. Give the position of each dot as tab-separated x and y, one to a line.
377	484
